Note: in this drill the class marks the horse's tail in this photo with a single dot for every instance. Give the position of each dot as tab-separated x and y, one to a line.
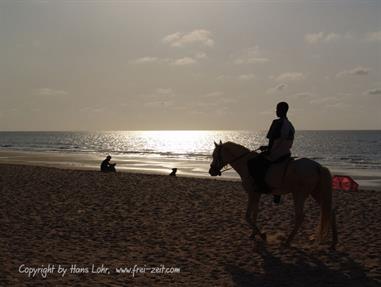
327	215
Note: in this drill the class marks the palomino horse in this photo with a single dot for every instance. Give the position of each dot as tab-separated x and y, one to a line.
302	178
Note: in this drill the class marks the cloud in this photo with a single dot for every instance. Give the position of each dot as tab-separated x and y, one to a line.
302	96
338	106
159	94
213	94
200	55
331	37
50	92
144	60
290	77
183	61
373	92
277	88
172	38
321	37
224	77
251	55
281	87
374	36
314	38
246	77
200	36
91	109
164	91
358	71
174	62
325	101
158	104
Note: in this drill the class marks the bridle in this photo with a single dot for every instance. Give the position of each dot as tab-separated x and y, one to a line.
220	163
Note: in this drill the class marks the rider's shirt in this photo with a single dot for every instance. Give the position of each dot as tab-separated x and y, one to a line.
281	138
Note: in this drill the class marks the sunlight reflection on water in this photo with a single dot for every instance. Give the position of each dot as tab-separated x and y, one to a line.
187	143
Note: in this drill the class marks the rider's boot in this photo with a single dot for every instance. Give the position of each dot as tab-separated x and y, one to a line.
276	199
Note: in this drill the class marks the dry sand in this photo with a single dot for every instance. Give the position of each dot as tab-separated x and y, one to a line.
66	217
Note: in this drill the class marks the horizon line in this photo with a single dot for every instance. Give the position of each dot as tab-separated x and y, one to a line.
185	130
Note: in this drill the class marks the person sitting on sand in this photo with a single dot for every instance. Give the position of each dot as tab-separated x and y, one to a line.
106	166
281	137
173	173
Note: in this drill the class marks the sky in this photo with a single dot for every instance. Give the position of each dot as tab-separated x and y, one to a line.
179	65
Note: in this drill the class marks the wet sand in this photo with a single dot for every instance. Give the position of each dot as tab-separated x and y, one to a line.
84	218
367	179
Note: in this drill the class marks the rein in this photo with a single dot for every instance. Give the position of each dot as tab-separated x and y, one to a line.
237	158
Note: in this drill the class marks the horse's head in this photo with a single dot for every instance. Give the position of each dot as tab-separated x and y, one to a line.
218	162
229	153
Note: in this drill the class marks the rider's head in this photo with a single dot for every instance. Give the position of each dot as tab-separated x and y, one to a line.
281	109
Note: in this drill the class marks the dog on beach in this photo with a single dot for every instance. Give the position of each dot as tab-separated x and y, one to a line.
173	173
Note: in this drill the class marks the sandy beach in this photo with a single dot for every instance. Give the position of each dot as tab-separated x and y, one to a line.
166	231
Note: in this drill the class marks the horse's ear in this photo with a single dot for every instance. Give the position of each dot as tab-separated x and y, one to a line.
220	142
215	144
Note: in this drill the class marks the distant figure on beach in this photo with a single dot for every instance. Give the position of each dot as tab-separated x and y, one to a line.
173	173
281	137
106	166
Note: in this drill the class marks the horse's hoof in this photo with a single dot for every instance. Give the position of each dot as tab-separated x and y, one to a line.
252	236
285	245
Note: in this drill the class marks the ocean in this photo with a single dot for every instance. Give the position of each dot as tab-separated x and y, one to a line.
344	152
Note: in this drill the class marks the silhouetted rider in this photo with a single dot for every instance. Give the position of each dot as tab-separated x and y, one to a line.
281	137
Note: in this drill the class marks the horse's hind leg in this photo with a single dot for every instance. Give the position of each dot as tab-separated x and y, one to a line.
299	199
252	213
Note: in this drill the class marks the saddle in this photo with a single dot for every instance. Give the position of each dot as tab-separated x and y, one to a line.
268	175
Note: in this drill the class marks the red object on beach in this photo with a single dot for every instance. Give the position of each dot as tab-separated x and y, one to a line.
344	183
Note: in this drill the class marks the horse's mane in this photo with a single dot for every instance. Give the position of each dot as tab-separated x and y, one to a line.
235	146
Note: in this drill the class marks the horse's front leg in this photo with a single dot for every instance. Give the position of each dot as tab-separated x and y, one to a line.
252	213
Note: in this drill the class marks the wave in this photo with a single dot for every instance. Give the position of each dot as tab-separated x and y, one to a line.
77	149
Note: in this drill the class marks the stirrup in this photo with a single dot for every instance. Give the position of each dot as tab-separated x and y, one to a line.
276	199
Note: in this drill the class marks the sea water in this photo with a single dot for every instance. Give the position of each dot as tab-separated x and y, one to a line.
345	152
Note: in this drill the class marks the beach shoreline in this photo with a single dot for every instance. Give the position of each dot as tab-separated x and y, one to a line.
367	179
